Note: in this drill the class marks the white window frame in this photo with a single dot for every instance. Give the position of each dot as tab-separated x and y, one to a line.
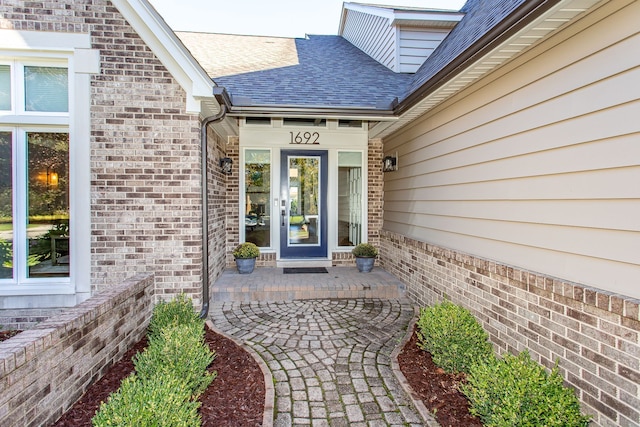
18	114
243	197
43	48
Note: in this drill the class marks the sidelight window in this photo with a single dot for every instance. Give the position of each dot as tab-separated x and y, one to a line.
257	186
350	198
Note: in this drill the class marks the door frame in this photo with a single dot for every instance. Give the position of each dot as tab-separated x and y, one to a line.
298	252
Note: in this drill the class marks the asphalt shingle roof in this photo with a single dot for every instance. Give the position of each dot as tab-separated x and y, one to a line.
328	71
315	71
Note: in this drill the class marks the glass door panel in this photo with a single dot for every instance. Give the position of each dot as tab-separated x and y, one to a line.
303	204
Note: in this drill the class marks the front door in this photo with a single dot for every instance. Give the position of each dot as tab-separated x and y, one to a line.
303	204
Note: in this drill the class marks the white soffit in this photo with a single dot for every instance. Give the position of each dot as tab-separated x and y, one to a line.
555	18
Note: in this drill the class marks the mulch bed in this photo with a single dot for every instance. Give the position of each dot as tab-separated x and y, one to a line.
235	398
5	335
438	390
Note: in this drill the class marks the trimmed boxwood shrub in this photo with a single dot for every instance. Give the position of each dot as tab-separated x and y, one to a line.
516	391
179	351
161	401
453	336
170	374
178	311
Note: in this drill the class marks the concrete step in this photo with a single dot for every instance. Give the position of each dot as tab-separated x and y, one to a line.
271	284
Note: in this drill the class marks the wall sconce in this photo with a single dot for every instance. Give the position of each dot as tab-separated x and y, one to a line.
225	165
390	163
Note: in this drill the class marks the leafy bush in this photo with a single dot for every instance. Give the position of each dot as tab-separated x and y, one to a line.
160	401
453	336
179	311
179	351
170	373
517	391
365	250
246	250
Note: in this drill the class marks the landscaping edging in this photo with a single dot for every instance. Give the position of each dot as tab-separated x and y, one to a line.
44	370
429	420
269	390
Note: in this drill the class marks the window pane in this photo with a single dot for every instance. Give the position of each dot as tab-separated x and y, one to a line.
48	204
349	198
257	221
5	87
6	206
46	89
304	203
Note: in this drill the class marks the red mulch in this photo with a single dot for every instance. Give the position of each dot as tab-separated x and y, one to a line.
234	398
438	390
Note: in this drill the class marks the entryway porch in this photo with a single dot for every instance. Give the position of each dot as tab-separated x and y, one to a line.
272	284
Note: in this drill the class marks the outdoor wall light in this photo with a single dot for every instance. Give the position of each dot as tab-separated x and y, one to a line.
225	165
389	164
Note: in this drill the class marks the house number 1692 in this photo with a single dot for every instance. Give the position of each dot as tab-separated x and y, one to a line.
304	138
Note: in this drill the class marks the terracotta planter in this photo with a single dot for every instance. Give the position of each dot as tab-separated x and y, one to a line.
365	264
245	265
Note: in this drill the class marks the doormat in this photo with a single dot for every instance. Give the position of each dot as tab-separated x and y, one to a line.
303	270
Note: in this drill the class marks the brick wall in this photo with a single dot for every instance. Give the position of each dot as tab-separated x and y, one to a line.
375	190
43	371
25	318
593	334
145	164
145	151
217	185
232	231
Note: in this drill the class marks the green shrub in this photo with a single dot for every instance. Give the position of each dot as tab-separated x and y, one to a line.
170	373
453	336
179	351
161	401
364	250
516	391
179	311
246	250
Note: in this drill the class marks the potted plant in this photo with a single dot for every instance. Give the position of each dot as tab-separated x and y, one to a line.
365	254
245	255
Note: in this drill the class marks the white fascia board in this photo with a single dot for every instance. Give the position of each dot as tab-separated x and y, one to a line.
370	10
155	32
45	41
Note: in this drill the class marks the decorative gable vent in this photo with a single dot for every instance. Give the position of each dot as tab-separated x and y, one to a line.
401	39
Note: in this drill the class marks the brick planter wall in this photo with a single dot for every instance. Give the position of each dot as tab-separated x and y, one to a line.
45	370
593	334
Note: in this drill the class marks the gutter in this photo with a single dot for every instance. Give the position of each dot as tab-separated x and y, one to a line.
243	107
530	10
205	205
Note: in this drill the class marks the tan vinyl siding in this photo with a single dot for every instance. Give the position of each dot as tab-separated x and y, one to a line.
538	165
416	45
373	35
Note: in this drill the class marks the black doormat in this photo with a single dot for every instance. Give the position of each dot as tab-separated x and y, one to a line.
303	270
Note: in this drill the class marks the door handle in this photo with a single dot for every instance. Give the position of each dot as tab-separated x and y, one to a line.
283	215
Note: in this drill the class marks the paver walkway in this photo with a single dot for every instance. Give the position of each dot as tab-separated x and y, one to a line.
330	359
